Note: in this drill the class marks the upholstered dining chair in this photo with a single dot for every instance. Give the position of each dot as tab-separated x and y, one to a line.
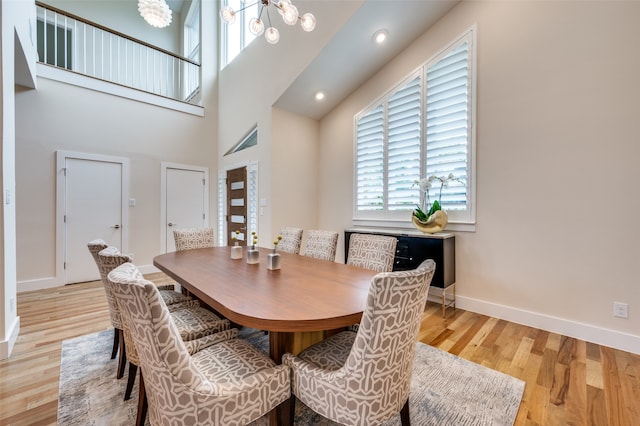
110	262
321	244
375	252
193	238
227	383
291	240
364	378
193	322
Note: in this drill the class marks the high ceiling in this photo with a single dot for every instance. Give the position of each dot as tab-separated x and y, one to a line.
352	56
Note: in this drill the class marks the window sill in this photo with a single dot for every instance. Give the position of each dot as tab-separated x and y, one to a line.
402	225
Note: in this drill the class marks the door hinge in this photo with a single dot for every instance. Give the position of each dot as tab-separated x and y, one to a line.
64	170
203	218
65	265
65	219
203	182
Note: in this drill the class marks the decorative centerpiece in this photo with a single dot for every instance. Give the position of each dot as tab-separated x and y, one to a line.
273	258
435	219
253	255
236	249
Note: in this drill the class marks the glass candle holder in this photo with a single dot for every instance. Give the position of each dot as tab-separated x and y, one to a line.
273	261
236	252
253	255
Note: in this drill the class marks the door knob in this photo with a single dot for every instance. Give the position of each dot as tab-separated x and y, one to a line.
116	226
171	224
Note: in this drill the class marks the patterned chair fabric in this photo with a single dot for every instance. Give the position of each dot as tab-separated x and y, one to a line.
193	238
291	240
363	378
375	252
95	247
229	383
321	244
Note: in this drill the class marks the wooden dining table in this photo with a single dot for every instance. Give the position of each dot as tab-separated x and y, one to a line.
298	304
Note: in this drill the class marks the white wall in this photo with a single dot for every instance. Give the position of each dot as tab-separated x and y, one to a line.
294	172
557	163
16	41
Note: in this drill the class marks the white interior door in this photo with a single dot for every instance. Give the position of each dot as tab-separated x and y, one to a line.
186	201
93	209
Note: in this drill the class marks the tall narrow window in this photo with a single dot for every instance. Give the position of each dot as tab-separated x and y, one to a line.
191	79
237	36
422	127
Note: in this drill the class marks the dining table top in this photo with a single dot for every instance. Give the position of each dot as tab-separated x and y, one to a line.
305	294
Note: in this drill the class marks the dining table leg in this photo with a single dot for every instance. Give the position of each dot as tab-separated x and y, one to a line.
279	344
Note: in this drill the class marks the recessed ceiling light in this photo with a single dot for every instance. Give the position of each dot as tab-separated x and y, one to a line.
319	96
380	36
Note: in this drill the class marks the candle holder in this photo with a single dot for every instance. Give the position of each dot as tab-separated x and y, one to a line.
273	261
253	255
236	252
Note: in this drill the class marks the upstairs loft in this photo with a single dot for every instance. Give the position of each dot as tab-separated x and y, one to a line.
78	51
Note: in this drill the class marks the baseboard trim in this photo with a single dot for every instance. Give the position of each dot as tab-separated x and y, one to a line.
38	284
6	346
588	332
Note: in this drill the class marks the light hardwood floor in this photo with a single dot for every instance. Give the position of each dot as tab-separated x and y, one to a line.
568	381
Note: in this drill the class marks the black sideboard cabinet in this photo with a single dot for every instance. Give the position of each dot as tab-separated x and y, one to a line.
412	249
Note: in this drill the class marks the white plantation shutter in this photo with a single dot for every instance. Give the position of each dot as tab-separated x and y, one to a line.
447	130
419	129
403	146
370	160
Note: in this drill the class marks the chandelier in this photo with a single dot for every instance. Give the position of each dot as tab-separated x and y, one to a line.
287	10
155	12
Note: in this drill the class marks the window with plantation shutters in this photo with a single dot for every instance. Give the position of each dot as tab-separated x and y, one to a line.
447	127
422	127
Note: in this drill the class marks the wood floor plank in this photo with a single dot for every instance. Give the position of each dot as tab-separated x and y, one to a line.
568	381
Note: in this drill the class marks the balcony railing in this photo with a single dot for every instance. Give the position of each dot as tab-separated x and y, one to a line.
81	46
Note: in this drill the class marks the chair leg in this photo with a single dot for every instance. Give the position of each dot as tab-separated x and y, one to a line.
116	341
133	369
142	404
404	414
122	360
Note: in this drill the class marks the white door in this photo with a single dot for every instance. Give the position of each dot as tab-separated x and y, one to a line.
186	201
93	209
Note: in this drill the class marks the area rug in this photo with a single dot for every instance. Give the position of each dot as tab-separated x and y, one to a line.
445	389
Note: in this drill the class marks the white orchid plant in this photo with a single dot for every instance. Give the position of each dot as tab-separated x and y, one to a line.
425	185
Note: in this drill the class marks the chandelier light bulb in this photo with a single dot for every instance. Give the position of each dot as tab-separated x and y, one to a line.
308	22
256	26
155	12
272	35
228	15
290	15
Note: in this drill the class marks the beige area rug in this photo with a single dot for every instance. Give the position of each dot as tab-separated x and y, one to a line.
445	389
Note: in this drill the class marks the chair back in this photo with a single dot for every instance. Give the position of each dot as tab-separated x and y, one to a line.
107	259
193	238
375	252
381	358
167	366
291	240
321	244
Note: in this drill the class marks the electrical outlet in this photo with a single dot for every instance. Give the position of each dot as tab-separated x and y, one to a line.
620	310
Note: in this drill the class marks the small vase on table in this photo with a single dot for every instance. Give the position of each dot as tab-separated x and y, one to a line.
253	255
273	258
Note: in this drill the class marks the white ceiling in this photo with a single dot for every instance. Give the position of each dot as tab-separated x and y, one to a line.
352	57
